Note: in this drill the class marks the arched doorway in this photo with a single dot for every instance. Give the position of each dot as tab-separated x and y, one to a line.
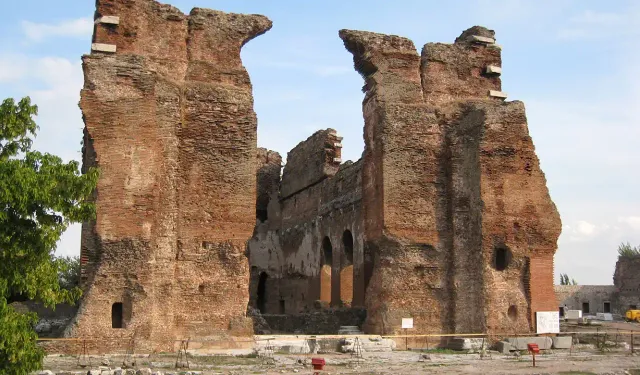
262	287
346	271
325	271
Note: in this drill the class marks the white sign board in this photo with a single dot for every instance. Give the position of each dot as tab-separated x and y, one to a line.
407	323
574	314
547	322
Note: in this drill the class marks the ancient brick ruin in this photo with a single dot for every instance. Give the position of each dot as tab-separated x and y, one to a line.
446	218
170	124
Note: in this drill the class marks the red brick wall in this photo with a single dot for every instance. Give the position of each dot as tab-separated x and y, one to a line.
541	291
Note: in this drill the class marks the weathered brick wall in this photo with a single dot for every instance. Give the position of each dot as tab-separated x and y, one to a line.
573	296
167	118
457	71
449	176
311	161
269	167
287	247
627	279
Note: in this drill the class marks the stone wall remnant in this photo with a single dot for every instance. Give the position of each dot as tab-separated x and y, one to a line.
169	119
459	224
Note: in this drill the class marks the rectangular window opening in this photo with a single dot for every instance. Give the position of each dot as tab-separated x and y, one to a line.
585	307
116	315
607	307
281	306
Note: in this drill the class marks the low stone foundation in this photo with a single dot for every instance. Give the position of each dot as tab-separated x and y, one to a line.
324	322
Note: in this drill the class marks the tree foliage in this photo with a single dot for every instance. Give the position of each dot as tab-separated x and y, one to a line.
564	280
68	272
40	196
625	250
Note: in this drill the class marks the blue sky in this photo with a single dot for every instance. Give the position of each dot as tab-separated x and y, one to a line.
575	64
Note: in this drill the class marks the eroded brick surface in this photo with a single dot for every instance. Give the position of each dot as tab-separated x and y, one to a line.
170	123
450	180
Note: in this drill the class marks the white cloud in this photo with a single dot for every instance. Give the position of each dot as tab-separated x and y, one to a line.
599	25
37	32
632	221
12	68
585	228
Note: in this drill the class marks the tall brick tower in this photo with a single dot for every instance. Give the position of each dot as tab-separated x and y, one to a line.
170	124
460	230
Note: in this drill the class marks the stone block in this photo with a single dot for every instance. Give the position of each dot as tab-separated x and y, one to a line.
574	314
481	39
497	94
520	343
110	20
101	47
504	347
459	343
562	342
492	69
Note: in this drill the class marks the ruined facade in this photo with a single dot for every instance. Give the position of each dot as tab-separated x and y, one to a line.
616	299
445	219
626	279
169	118
451	220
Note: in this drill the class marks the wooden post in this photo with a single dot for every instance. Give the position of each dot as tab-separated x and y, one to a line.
406	340
533	355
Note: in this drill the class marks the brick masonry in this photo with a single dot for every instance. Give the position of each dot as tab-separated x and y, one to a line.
451	183
170	124
446	218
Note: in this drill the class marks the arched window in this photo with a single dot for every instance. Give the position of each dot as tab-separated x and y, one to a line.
346	271
325	270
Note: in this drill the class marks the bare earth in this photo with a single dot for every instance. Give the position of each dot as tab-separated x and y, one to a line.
399	362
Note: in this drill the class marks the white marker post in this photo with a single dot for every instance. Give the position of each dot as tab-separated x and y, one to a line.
407	323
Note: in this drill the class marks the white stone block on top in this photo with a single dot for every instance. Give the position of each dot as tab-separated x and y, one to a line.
497	94
111	20
492	69
481	39
101	47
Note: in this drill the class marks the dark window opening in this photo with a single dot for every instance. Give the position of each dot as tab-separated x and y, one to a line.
347	242
262	287
116	315
561	310
201	288
501	258
633	307
585	307
512	312
607	307
281	306
261	215
327	251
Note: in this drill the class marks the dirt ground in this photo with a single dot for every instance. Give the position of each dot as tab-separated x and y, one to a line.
584	358
399	362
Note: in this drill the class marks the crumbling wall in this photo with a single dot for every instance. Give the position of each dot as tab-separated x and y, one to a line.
319	200
451	183
168	112
572	297
311	161
626	278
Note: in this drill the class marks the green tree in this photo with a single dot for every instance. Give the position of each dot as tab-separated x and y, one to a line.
68	272
625	250
564	280
39	197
